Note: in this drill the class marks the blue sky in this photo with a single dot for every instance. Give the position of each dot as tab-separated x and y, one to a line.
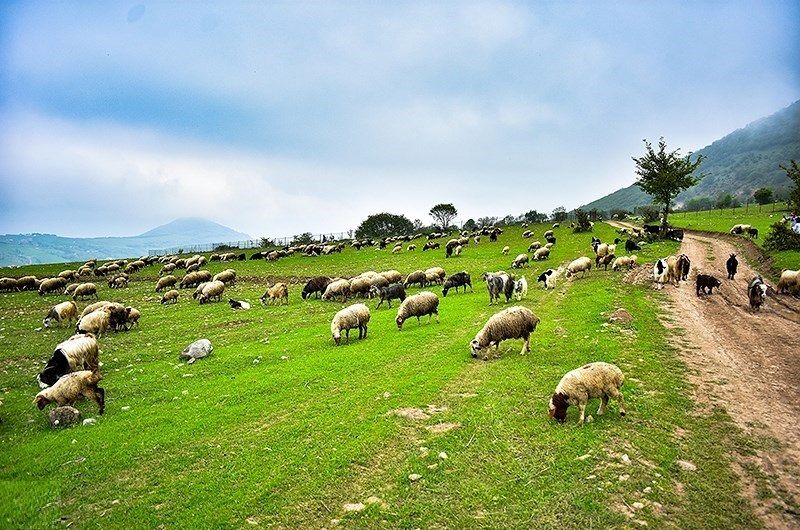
278	118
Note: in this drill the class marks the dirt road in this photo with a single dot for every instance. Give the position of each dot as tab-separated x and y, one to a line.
748	362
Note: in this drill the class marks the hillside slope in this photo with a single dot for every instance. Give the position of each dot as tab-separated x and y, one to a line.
738	163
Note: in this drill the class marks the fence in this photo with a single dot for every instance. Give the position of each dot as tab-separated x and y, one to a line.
248	243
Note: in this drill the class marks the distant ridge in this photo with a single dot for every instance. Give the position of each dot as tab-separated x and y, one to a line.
739	163
24	249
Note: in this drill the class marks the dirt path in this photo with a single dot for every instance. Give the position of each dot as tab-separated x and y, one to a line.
748	362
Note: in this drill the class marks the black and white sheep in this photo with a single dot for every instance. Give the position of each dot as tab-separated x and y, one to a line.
631	245
79	352
591	381
512	323
520	289
548	279
757	292
60	313
420	304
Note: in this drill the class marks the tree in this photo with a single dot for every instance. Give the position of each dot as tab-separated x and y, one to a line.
584	224
443	214
267	242
763	195
534	217
696	204
417	224
384	224
509	220
559	214
649	213
485	222
793	172
663	175
470	225
303	239
726	200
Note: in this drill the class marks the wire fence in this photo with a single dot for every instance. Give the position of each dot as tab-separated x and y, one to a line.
263	242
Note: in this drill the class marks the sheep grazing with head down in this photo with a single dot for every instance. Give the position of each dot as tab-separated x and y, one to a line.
8	285
582	265
435	275
548	279
97	322
72	386
211	291
533	247
418	305
732	265
512	323
591	381
789	281
275	294
392	291
60	313
605	261
351	317
132	316
315	286
416	277
51	285
79	352
338	288
228	277
520	261
757	293
170	297
27	283
541	254
454	281
506	249
392	276
165	282
621	262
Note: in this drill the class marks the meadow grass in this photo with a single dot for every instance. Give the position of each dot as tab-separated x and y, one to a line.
279	428
761	217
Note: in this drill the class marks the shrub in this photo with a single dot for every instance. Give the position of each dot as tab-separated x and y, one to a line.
582	224
650	213
781	237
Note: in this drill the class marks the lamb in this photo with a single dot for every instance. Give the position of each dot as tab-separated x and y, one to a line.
315	286
454	281
132	317
705	284
51	285
582	265
435	275
276	293
212	290
520	288
79	352
170	297
166	281
351	317
757	293
631	245
790	281
395	290
534	246
541	254
70	387
506	249
238	304
512	323
337	288
63	312
416	277
605	261
519	261
420	304
392	276
732	265
593	380
96	322
548	278
228	277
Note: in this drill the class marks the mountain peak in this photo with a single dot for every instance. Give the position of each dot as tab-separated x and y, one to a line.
202	229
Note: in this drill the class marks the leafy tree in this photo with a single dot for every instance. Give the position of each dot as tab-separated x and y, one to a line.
534	217
384	224
485	222
727	200
470	224
267	242
443	214
303	239
417	224
763	195
559	214
781	237
793	172
663	175
583	224
509	220
649	213
696	204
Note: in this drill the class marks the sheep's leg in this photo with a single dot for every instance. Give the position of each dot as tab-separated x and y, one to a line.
380	302
347	335
365	331
582	407
526	346
603	405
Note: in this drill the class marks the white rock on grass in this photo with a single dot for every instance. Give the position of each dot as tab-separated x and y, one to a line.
354	507
414	477
89	421
685	465
443	455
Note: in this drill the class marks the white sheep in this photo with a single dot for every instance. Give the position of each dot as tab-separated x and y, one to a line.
541	254
170	297
166	281
548	278
60	313
338	288
515	322
582	265
594	380
435	275
420	304
519	261
85	289
392	276
506	249
97	322
520	288
790	280
212	290
351	317
72	386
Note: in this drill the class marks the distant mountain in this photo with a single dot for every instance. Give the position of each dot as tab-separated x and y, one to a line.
739	163
22	249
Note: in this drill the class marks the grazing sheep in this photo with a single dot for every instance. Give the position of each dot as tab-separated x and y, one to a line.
548	278
51	285
68	290
170	297
238	304
732	265
556	225
757	292
533	247
8	285
520	261
70	387
397	249
512	323
430	245
193	279
166	269
600	249
628	262
392	276
477	239
420	304
60	313
520	288
541	254
360	285
605	261
212	290
417	276
395	290
118	282
193	267
27	283
166	281
739	229
132	317
79	352
435	275
506	249
582	265
593	380
790	280
315	286
351	317
97	322
551	240
454	281
411	248
547	234
450	247
705	284
68	275
527	234
228	277
631	245
275	294
752	232
337	289
457	251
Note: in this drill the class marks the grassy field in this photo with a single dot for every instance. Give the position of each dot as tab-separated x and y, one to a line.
722	220
279	428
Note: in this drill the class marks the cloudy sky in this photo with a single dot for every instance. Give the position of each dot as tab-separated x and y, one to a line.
279	118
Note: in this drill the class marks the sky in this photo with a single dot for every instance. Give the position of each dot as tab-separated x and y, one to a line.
284	117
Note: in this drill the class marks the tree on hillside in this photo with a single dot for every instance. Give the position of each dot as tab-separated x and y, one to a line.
534	217
663	175
726	200
793	172
485	222
443	214
763	195
701	202
583	222
470	225
303	239
384	224
559	214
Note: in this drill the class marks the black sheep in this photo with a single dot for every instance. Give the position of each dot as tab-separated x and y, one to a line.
732	265
459	279
315	285
631	245
706	284
395	290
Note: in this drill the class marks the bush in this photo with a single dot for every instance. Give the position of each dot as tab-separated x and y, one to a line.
781	237
650	213
583	224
